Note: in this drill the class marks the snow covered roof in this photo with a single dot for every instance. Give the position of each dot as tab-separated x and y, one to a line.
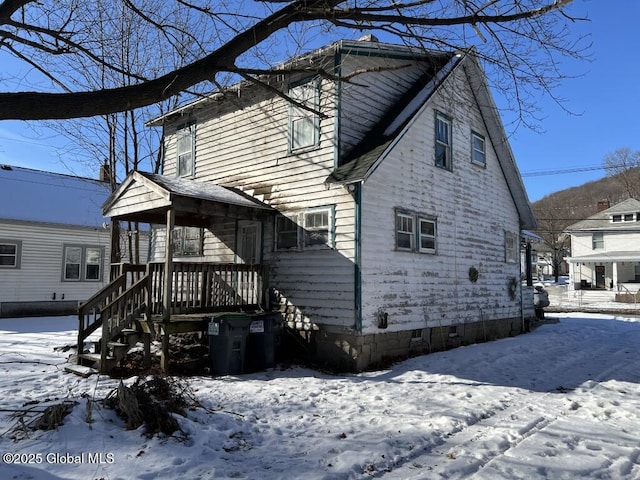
46	197
146	197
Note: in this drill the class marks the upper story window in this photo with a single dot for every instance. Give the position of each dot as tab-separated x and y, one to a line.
83	263
411	239
510	247
186	241
185	148
10	253
304	123
597	241
310	229
625	217
478	149
443	141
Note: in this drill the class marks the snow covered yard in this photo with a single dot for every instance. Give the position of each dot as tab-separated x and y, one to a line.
562	402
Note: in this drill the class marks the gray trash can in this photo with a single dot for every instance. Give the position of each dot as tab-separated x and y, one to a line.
262	341
227	343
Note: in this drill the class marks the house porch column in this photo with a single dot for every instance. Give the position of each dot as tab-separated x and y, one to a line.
615	275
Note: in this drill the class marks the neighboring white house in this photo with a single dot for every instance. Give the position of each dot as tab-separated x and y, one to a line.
397	205
53	245
605	250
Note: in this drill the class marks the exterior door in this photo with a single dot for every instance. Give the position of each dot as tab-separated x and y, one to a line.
600	276
249	243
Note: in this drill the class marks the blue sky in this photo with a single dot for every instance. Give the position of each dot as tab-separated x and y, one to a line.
605	100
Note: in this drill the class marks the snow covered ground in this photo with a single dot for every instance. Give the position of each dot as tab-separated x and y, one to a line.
562	402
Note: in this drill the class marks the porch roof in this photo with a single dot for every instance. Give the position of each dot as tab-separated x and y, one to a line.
607	257
146	197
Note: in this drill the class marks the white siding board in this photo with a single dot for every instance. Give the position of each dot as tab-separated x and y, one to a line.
247	147
40	272
473	207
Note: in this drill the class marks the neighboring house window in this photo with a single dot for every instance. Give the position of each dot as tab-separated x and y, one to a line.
616	218
186	241
597	241
478	149
628	217
185	147
309	229
510	247
409	238
637	272
443	141
83	263
303	123
10	253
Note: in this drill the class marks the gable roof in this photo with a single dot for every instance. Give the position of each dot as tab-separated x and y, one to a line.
602	220
44	197
377	145
146	197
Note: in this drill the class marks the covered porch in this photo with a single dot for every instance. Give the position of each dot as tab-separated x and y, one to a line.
173	295
615	272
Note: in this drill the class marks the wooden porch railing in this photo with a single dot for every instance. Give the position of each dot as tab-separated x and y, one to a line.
196	287
201	287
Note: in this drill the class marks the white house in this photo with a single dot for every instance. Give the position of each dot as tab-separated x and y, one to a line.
387	208
605	251
53	245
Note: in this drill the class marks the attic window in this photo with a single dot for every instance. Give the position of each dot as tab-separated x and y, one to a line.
626	217
304	122
443	141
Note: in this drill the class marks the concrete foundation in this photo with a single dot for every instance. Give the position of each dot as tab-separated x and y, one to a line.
357	352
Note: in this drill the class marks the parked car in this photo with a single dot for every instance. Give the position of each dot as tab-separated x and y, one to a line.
540	300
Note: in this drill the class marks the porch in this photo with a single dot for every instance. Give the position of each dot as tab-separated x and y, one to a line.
133	306
171	296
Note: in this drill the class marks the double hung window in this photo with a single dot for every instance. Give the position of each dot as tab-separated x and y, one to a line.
304	122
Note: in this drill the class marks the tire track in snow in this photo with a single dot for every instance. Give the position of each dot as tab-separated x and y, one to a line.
466	451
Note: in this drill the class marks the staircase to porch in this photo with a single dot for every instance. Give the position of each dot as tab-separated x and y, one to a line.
131	306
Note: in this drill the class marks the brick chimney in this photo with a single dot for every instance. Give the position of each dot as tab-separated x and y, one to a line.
105	172
603	205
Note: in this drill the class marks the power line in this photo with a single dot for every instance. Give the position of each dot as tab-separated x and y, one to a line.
539	173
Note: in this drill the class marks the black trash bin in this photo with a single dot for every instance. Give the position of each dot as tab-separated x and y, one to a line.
262	341
227	343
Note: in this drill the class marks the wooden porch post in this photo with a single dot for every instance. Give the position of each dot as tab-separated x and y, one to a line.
168	268
114	252
166	294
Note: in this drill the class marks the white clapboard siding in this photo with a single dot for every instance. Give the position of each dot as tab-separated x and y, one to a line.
41	265
247	148
473	208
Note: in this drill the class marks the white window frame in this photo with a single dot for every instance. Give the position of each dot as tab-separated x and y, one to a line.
16	255
82	263
478	152
309	231
443	145
302	119
405	228
185	151
597	241
304	230
426	236
511	247
182	236
409	225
